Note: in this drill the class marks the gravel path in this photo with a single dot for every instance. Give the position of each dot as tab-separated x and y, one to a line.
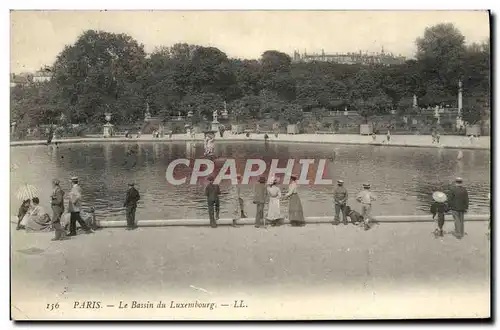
343	265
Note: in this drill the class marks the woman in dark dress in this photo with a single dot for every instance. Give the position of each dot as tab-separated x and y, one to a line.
295	212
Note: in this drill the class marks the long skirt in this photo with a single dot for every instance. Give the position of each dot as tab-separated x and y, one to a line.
274	211
295	212
37	223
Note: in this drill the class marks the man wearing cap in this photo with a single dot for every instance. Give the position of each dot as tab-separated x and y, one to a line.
340	196
212	191
130	204
458	201
259	200
74	207
366	197
57	203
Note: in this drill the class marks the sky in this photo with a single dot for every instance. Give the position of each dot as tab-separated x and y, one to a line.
37	37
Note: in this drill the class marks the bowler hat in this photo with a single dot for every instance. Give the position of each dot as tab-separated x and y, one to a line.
366	185
74	178
131	184
211	178
262	179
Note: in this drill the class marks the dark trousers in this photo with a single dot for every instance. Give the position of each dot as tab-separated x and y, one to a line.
75	216
340	208
56	222
213	206
440	217
259	215
131	215
459	222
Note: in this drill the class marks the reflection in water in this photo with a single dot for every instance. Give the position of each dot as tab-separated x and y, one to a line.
403	178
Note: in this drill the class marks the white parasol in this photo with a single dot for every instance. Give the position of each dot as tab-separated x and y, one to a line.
27	192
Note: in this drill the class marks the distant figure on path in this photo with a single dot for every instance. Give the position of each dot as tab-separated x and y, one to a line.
57	203
340	196
439	208
274	210
75	207
438	137
366	197
130	203
259	200
266	137
388	136
212	192
460	155
374	137
459	204
295	211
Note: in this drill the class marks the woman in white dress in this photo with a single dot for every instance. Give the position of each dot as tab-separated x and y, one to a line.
274	210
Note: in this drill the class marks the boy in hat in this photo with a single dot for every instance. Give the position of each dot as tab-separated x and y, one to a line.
130	203
340	196
439	207
366	197
259	200
212	191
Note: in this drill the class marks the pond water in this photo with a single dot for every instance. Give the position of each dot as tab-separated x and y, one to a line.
402	178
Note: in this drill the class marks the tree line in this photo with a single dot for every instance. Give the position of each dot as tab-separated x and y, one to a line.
106	72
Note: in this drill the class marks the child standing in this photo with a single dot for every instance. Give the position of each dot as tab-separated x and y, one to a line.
439	207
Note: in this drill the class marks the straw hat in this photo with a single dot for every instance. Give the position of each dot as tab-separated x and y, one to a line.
74	179
439	196
459	180
340	182
366	185
273	180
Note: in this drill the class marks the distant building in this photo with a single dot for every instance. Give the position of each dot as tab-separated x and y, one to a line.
42	75
350	58
20	79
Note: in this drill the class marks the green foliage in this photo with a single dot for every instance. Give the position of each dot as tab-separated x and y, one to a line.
104	71
472	113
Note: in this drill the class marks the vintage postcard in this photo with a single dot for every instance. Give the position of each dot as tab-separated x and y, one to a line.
250	165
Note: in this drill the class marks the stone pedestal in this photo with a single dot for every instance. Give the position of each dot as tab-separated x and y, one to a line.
107	130
473	130
292	129
237	128
365	129
215	126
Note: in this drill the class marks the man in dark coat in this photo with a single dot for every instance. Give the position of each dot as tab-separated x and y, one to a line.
131	204
212	191
259	200
57	204
458	204
340	196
